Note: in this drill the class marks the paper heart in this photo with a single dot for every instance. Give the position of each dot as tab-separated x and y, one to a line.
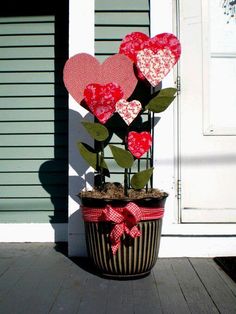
155	66
128	110
134	42
139	143
83	69
102	99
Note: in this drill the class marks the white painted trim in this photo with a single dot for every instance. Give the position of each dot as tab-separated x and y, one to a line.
34	232
197	247
196	229
164	149
81	39
211	215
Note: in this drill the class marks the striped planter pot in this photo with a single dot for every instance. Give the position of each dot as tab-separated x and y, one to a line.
135	256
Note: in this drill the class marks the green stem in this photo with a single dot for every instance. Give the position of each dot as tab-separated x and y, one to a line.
126	175
101	163
126	182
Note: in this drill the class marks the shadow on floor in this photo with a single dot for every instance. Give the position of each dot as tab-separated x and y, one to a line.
86	264
228	264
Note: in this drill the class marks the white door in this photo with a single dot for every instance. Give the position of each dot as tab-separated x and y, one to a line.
207	113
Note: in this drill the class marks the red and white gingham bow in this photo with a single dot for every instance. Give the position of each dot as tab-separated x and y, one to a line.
125	219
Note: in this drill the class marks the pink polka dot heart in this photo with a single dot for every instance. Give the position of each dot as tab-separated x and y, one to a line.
139	143
128	110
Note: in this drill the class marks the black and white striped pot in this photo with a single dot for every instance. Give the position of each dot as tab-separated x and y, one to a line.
135	256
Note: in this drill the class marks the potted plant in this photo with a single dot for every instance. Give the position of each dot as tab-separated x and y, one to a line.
123	220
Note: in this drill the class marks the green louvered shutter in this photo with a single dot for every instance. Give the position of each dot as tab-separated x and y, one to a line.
114	20
33	116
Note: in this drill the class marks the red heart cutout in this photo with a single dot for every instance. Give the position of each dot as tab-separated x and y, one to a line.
83	69
155	66
102	99
139	143
134	42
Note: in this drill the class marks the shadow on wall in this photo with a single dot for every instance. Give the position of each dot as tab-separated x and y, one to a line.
54	177
53	173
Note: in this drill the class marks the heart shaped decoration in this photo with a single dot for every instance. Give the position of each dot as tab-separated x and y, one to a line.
83	69
102	99
139	143
128	110
155	66
135	42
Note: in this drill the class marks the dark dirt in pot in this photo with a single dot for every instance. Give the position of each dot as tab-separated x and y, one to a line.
113	193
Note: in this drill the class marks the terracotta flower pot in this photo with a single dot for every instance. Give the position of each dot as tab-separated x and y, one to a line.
135	256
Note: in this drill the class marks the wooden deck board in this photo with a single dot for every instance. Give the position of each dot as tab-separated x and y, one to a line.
217	288
197	297
171	296
36	278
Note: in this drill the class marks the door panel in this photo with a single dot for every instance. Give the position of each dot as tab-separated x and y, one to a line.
208	114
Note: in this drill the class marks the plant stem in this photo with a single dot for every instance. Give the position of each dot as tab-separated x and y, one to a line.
126	182
126	175
101	164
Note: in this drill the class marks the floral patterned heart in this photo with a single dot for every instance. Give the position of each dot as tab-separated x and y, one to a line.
134	42
83	69
102	99
128	110
139	143
155	66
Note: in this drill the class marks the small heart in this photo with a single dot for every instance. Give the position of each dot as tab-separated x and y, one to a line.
83	69
139	143
102	99
128	110
135	42
155	66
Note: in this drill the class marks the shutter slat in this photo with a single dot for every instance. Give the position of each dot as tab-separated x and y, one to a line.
27	28
26	65
42	216
32	153
122	5
32	191
31	165
32	115
126	18
27	52
32	140
43	77
32	127
112	32
34	204
32	102
26	90
23	19
32	178
22	40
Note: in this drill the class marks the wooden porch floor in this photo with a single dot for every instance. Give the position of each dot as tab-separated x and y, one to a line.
38	278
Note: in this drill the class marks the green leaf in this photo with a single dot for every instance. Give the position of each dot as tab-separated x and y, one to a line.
92	158
162	100
140	179
123	157
98	131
